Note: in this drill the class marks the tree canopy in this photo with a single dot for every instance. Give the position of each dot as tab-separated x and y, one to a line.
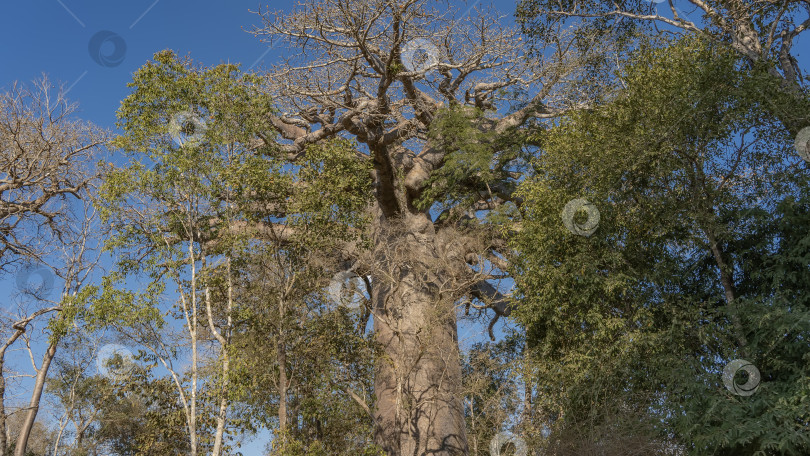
613	197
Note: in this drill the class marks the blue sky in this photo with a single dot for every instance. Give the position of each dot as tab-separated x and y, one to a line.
53	37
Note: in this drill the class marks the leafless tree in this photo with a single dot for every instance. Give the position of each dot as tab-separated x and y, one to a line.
46	172
78	258
46	158
381	71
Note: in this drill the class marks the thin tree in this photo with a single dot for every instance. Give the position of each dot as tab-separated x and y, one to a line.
46	162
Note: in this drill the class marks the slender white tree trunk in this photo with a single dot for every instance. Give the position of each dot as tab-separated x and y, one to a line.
224	341
281	358
192	330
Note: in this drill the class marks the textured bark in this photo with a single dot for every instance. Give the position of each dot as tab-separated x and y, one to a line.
3	425
283	382
349	75
418	381
19	329
33	407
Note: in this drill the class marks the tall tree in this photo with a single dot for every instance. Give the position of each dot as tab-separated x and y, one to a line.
167	220
695	185
209	215
387	73
47	173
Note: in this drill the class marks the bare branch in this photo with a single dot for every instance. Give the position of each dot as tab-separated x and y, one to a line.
45	161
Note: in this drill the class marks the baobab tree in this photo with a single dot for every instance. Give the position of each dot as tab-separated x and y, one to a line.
425	92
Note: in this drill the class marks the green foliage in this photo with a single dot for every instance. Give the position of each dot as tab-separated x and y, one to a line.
143	418
134	414
477	162
494	391
325	349
172	210
634	319
335	194
286	445
231	103
194	192
542	27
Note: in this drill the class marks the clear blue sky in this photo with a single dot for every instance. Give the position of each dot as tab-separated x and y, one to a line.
52	36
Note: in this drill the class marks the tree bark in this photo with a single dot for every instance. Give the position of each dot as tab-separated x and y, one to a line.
418	380
282	371
3	426
729	290
225	343
33	407
19	328
192	329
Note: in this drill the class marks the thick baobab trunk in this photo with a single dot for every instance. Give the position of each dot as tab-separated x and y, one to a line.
418	381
